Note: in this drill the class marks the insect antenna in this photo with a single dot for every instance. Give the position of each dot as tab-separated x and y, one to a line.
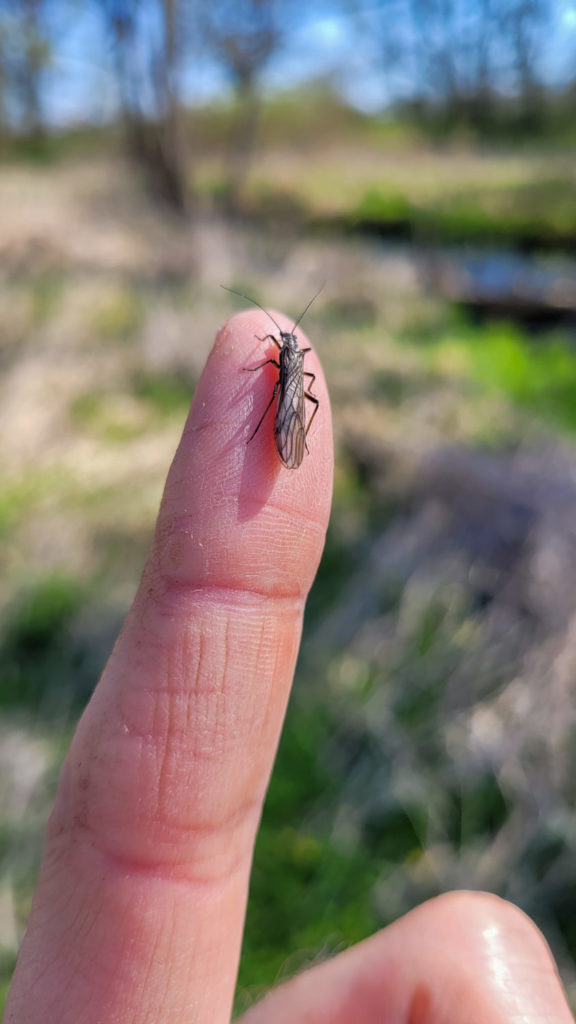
306	308
254	303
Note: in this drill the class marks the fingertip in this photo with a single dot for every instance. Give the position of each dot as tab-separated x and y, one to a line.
240	340
464	956
232	514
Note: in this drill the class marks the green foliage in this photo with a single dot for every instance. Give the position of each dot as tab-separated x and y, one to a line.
306	894
169	394
529	200
86	410
474	811
277	207
429	623
108	417
60	145
45	292
120	417
7	965
459	190
354	508
395	833
309	114
384	206
346	313
535	212
119	316
16	499
537	373
43	666
336	565
313	891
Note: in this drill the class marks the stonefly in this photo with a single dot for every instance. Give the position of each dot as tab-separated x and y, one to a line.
290	428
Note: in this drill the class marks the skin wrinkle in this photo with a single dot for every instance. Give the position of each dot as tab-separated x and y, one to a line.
233	393
44	965
165	752
198	682
267	692
190	650
54	860
200	654
171	957
149	803
179	871
136	947
224	438
72	957
210	742
84	921
270	695
67	987
226	499
225	674
215	718
237	594
261	712
153	959
266	575
209	826
283	519
294	517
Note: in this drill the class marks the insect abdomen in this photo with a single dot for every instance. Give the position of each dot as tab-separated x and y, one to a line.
289	423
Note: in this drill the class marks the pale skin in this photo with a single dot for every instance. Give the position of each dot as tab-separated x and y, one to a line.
140	904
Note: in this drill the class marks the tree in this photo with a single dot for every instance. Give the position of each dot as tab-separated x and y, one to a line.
149	44
524	24
243	36
24	58
457	59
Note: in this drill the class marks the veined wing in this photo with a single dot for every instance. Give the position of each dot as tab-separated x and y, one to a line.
290	421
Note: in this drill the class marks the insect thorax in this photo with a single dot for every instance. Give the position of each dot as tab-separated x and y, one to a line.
289	340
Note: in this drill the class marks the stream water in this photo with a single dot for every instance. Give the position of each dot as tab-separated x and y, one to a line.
536	290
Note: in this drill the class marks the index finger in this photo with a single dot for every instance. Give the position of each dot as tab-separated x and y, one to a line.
140	905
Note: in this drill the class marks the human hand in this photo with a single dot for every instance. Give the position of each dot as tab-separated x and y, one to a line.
140	905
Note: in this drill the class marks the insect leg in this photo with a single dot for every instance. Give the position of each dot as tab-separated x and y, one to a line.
250	369
272	338
311	398
261	420
308	394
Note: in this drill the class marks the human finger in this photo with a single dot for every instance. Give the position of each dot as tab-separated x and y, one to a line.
140	904
463	958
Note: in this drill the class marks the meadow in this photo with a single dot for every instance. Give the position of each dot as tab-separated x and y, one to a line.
429	742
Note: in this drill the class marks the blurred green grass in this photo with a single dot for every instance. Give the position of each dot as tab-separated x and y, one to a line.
44	670
312	891
536	213
538	374
334	859
348	172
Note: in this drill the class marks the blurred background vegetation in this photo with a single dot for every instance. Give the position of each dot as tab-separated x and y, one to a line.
419	155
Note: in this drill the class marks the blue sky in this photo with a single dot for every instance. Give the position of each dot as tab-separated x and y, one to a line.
80	84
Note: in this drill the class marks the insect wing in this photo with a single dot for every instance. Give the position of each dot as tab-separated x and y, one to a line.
290	425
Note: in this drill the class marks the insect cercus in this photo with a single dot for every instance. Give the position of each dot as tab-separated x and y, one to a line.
290	428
